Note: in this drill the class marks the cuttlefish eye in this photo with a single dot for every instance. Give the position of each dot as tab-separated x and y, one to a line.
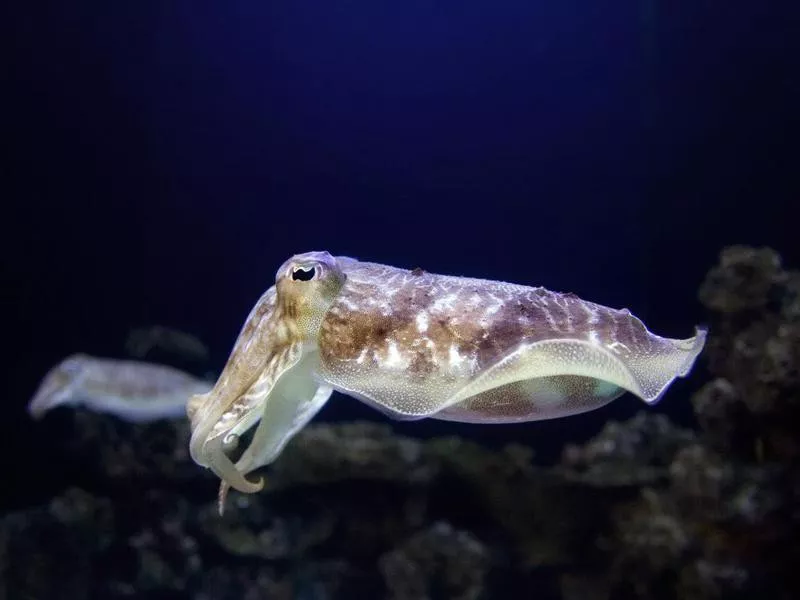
305	272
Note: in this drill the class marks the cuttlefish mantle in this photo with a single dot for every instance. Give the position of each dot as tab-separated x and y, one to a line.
416	345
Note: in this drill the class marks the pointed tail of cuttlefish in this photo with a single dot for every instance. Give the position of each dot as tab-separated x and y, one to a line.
677	363
695	347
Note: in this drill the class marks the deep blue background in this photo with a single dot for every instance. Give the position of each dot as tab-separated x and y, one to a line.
168	156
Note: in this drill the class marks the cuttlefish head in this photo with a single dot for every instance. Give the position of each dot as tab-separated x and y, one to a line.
60	386
280	332
307	284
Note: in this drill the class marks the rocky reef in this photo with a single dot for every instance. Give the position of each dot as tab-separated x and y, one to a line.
646	509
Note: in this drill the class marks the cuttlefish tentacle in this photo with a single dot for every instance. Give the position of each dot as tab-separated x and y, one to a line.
243	414
250	353
294	400
223	467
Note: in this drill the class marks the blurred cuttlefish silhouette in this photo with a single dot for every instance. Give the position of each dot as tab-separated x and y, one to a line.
418	345
132	390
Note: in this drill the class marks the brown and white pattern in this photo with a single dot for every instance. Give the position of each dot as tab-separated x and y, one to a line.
414	345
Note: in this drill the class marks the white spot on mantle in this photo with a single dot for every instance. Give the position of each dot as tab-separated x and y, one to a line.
455	358
393	356
422	322
617	347
445	303
493	308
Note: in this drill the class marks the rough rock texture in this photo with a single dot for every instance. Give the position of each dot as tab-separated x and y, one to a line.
645	509
723	524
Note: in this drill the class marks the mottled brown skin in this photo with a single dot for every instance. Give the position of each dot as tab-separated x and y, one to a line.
526	315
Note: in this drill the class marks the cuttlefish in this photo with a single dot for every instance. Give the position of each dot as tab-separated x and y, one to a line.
417	345
131	390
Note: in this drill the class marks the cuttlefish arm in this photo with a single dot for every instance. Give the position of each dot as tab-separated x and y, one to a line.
416	345
292	404
219	416
131	390
269	376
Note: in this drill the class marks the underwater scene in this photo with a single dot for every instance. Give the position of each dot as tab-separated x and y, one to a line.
402	301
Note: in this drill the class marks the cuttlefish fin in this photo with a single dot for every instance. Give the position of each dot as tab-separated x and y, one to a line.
646	373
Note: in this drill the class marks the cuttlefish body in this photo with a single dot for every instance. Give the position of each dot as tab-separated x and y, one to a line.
413	345
131	390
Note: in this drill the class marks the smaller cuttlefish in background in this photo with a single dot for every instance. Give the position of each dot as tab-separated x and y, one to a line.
135	391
